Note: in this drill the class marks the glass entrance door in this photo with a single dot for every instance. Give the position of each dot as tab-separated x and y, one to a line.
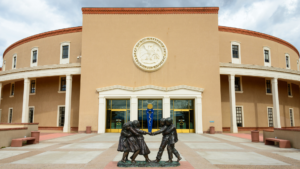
117	113
182	113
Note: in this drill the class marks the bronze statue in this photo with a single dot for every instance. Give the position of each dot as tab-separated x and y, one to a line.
144	150
169	139
128	143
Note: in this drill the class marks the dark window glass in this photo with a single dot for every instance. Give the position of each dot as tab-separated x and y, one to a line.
32	86
30	120
65	52
267	59
34	56
63	84
61	121
289	90
270	116
239	117
235	51
12	89
287	62
15	62
10	115
237	82
291	118
142	115
268	84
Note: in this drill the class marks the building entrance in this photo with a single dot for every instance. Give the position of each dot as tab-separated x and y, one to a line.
117	113
182	113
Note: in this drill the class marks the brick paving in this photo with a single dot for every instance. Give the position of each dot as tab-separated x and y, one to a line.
70	150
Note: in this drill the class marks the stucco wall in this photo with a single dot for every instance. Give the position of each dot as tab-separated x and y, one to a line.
252	50
193	58
48	50
255	102
45	101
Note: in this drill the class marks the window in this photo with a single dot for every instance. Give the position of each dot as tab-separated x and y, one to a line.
64	52
292	118
0	114
117	113
287	61
32	86
10	114
61	116
268	87
238	84
34	57
289	88
12	89
239	116
30	114
62	84
267	56
235	52
14	62
270	117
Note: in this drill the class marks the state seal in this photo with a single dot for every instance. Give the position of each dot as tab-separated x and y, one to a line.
150	54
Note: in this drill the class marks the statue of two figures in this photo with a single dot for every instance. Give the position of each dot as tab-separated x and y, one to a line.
132	140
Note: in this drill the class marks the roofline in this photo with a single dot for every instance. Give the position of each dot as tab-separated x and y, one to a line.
43	35
257	34
185	10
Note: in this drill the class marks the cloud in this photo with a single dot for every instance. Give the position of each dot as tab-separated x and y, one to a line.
23	18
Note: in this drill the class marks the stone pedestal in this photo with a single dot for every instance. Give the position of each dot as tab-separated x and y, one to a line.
88	130
255	136
36	135
145	164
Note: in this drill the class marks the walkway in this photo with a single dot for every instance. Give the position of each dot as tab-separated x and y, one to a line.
100	151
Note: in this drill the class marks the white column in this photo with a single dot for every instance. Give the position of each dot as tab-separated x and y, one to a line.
166	107
101	115
133	108
25	100
0	92
198	115
67	125
233	127
276	103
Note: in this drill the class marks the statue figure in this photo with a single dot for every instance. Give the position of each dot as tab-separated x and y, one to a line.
144	150
169	139
128	143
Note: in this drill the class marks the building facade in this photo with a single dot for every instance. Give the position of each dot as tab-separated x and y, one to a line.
107	71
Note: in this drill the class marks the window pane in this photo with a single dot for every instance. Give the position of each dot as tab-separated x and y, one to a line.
63	84
30	116
32	86
12	89
270	116
65	53
287	62
61	121
289	90
15	62
239	118
34	56
267	56
118	104
291	118
268	84
235	51
181	104
237	82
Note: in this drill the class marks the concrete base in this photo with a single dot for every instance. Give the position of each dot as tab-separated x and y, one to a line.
145	164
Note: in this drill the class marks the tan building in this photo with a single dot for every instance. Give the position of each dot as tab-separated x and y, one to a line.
106	71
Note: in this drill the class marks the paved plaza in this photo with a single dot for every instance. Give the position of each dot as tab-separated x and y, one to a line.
100	151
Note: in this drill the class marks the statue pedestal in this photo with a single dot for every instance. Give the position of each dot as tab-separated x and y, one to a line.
145	164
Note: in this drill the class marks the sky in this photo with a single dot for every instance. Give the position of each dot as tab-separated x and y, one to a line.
22	18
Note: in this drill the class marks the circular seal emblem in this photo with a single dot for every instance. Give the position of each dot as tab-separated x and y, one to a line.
150	53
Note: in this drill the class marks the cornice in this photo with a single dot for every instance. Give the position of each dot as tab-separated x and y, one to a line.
164	89
257	34
256	67
37	68
200	10
43	35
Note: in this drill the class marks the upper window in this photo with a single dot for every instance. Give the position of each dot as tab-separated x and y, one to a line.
12	89
267	56
14	62
34	57
64	52
63	84
287	61
289	88
32	86
268	87
238	84
235	52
